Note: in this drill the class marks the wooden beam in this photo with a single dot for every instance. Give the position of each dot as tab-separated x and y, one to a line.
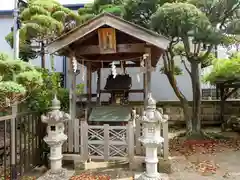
144	86
72	102
130	91
119	66
121	48
111	57
98	85
89	81
124	66
148	67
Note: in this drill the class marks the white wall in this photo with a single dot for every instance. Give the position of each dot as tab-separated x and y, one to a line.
5	27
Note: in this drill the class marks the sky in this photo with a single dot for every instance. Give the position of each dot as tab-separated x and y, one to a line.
9	4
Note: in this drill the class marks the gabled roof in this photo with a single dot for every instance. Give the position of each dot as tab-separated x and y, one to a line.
113	21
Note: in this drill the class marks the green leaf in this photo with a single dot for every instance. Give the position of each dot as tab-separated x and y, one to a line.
30	79
47	23
11	89
85	10
113	9
179	19
59	15
224	69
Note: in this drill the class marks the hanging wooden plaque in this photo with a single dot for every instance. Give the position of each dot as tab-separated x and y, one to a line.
107	40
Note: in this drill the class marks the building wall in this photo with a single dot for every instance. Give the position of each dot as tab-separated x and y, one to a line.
5	27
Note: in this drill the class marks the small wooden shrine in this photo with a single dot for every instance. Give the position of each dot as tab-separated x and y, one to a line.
100	43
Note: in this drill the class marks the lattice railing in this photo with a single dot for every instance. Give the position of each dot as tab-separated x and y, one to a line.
96	140
118	133
95	133
107	142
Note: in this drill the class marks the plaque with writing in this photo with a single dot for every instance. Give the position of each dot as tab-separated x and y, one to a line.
107	40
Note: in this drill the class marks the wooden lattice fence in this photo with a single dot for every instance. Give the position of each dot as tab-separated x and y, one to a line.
108	142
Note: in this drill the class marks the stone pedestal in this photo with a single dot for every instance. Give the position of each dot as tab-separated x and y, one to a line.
151	140
55	138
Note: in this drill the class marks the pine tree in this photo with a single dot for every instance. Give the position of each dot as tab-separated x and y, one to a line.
17	80
41	22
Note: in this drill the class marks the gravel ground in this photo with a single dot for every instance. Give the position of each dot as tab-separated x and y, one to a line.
211	162
217	162
226	163
187	168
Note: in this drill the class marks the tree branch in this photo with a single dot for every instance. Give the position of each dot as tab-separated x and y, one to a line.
166	68
209	50
198	48
228	13
186	46
187	69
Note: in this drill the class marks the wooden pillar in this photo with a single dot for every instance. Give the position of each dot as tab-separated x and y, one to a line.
98	86
72	102
144	86
124	67
147	76
89	82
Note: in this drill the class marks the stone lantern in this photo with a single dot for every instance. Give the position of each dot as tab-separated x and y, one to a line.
152	139
55	138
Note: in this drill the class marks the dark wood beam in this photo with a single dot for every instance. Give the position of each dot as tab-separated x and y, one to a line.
111	57
89	81
130	91
121	48
98	85
126	65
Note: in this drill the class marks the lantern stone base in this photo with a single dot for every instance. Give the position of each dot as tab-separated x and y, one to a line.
144	176
62	174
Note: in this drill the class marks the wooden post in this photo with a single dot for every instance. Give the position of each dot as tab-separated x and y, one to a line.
130	141
84	141
147	72
75	123
106	142
89	82
144	86
98	86
72	102
148	64
76	136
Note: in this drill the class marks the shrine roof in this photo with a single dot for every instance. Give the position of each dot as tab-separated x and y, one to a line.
105	19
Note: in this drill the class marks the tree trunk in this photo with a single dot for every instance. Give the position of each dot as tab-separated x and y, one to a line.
183	100
196	105
43	58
